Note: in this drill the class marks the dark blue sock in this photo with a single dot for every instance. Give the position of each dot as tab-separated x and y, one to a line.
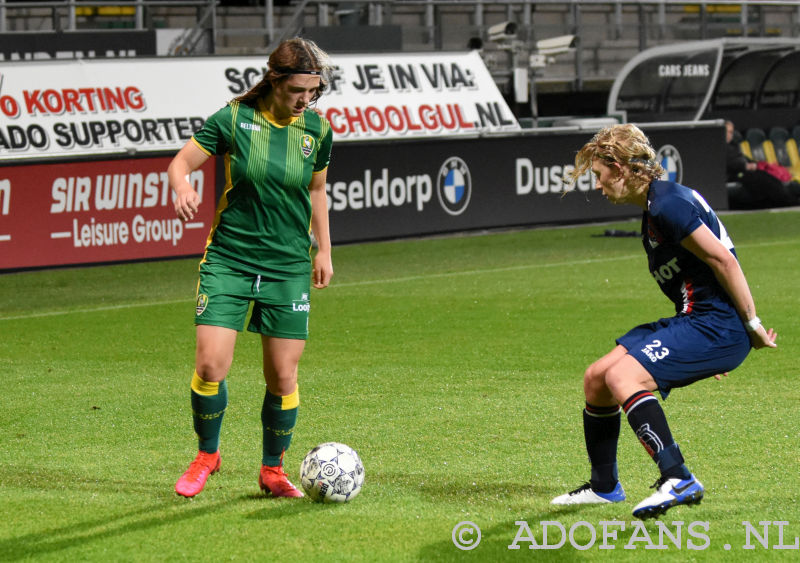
601	432
648	421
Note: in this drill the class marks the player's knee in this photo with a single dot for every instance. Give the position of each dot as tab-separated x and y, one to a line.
593	379
614	378
282	383
211	369
281	376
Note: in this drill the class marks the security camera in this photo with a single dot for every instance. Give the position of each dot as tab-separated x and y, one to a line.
535	60
502	31
475	43
556	45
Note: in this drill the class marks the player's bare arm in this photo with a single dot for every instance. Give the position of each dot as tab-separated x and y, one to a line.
188	159
322	270
708	248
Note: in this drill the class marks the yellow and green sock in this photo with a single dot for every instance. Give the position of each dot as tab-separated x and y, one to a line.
278	417
209	401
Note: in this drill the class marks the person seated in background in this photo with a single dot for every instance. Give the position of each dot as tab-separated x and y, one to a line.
759	188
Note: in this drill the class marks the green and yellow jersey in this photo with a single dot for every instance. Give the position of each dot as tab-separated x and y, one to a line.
264	214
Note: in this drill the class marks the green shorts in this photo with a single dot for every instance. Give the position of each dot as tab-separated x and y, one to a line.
280	307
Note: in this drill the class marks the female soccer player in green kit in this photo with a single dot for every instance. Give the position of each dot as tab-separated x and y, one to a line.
276	153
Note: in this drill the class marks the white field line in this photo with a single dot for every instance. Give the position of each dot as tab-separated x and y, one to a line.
376	282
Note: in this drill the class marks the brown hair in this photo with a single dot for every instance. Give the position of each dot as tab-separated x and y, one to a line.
625	144
292	56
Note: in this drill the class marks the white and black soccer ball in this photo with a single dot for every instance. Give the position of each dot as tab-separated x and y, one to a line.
332	472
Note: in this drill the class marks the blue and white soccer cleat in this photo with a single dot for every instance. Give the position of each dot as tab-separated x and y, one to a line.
585	495
669	492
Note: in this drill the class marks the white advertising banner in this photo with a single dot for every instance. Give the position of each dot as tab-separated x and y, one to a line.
402	95
63	108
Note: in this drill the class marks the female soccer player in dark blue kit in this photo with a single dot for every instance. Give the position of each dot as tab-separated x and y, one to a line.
693	260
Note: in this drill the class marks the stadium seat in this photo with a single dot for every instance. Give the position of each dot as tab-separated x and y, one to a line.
743	144
786	150
760	147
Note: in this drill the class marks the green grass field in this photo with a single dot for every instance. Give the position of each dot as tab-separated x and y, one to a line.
453	365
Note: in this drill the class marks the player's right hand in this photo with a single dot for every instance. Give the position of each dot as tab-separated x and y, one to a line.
186	203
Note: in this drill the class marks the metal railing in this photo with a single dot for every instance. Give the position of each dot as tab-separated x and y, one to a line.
609	31
64	14
186	43
652	14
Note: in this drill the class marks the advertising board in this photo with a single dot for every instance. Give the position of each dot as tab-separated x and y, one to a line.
90	107
97	211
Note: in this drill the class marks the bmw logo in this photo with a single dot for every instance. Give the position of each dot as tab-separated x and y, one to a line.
454	186
670	160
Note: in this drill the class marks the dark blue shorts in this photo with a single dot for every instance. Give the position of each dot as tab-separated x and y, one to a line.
680	350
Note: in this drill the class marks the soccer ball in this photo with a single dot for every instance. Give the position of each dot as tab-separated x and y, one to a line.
332	472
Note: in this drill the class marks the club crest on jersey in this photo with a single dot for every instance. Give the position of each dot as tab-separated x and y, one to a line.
307	145
202	303
653	236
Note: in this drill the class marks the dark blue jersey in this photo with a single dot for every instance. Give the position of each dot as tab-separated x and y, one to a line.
673	213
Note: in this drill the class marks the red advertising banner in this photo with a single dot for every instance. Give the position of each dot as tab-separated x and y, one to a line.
101	211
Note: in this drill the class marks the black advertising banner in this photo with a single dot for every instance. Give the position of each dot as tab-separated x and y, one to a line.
116	210
26	46
380	191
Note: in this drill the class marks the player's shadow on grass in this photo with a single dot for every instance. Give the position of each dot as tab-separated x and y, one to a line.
277	508
55	539
167	510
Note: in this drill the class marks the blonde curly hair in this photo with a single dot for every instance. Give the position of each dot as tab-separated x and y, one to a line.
624	144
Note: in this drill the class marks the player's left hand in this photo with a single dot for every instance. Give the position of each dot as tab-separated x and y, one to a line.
322	271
